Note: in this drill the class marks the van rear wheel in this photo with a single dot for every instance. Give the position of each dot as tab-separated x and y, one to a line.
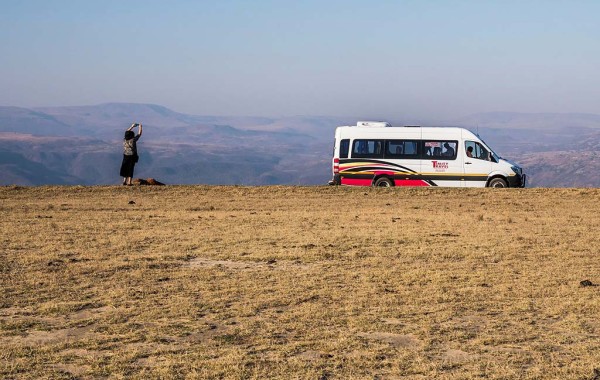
383	182
498	182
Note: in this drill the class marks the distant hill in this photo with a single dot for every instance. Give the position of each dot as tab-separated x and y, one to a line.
562	169
537	121
23	120
239	159
82	145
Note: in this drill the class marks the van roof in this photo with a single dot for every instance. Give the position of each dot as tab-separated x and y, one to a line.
405	132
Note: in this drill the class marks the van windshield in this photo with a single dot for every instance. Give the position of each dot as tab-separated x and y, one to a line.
495	157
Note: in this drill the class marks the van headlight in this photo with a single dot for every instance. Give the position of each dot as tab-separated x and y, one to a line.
517	170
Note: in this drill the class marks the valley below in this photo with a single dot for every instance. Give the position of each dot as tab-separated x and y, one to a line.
82	146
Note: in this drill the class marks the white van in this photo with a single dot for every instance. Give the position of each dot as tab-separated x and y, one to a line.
377	154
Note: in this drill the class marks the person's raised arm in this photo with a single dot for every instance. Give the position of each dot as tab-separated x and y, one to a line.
132	126
139	130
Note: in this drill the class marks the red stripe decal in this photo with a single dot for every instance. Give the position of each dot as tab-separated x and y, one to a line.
356	181
411	182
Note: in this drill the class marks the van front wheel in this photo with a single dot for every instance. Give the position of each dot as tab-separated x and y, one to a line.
383	182
498	182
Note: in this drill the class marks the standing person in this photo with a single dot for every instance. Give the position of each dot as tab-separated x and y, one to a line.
130	156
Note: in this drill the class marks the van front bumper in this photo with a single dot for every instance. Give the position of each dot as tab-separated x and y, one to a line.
517	180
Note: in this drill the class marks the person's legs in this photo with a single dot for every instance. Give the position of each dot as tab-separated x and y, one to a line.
131	174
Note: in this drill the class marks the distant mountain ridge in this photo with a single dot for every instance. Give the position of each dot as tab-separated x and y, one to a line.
24	120
81	145
546	121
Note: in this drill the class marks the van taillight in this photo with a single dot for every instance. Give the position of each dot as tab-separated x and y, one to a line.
336	165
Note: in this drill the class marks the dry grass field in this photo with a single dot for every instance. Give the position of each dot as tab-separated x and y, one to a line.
232	282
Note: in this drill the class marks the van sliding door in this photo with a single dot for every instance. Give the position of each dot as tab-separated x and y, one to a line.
440	163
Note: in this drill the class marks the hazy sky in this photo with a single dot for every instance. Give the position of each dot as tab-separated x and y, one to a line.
437	59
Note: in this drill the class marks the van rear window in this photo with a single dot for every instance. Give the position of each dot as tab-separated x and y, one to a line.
344	147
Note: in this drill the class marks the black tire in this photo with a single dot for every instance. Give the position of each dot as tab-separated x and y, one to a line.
499	183
383	182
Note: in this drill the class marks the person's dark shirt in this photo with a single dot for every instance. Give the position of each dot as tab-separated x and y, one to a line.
130	146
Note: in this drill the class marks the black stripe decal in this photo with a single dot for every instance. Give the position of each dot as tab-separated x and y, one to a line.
373	168
424	177
387	164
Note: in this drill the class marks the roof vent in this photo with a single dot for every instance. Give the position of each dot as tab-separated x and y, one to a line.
373	124
412	126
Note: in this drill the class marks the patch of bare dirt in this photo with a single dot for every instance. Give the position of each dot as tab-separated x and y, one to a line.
509	349
41	337
201	262
310	355
36	337
13	311
456	356
81	352
149	362
396	340
72	369
89	313
16	314
393	321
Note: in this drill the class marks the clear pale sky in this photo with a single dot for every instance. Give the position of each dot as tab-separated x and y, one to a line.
439	59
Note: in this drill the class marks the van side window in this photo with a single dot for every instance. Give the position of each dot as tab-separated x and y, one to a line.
367	149
440	150
476	150
401	149
344	146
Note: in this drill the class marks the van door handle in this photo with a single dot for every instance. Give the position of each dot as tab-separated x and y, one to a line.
467	163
